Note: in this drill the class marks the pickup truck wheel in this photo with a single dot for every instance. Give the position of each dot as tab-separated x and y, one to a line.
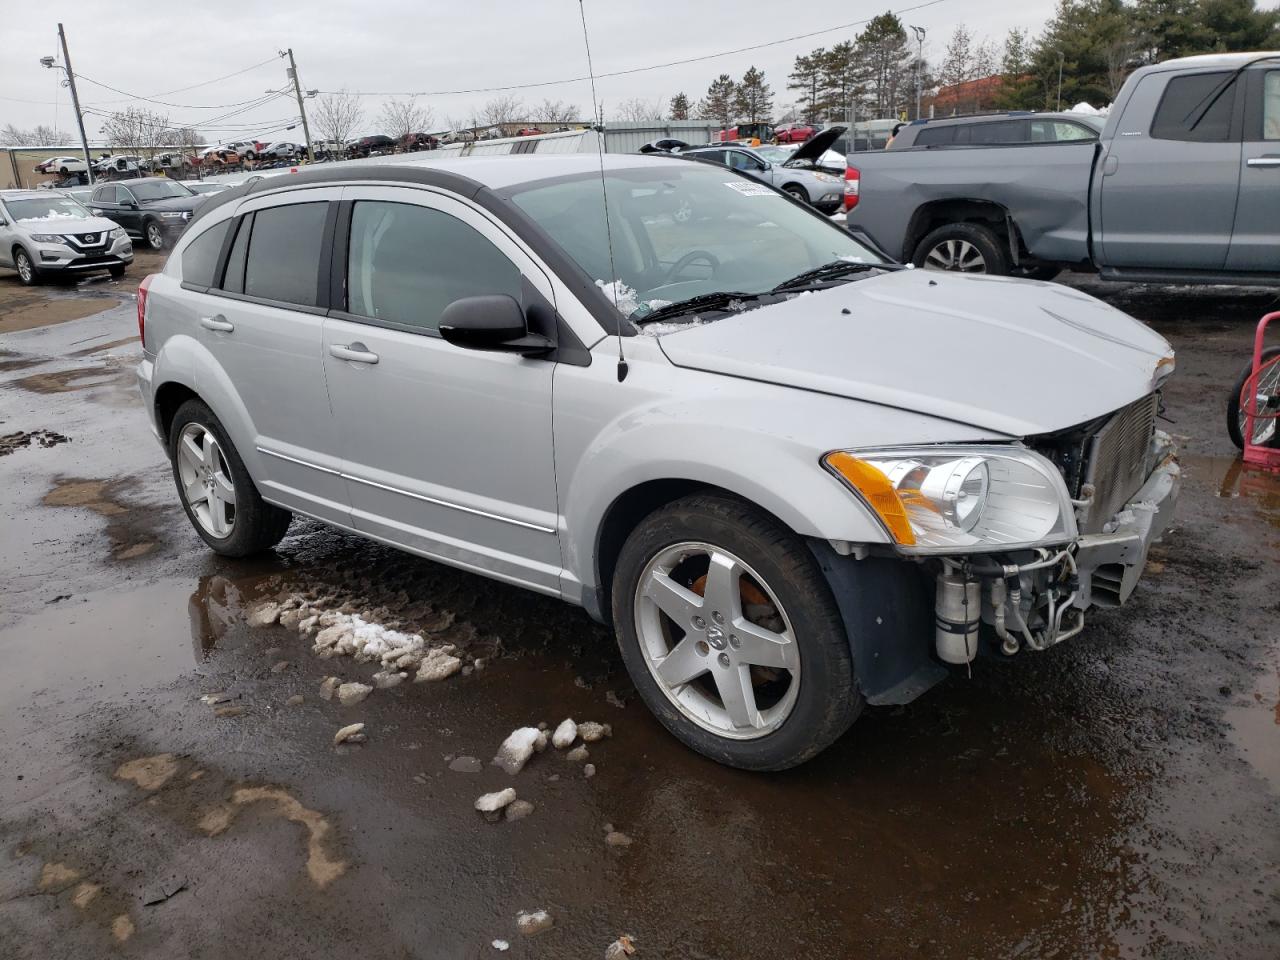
732	636
1266	431
962	248
217	493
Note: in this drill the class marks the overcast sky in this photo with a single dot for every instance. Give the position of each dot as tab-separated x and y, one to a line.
403	45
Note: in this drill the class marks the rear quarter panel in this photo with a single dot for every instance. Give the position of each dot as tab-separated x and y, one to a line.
1044	186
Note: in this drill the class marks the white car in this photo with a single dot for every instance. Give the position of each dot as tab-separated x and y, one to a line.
63	165
46	233
282	149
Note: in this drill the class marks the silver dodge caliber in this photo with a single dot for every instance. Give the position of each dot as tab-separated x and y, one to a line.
794	478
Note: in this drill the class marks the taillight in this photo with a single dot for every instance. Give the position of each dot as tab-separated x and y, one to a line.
852	186
142	307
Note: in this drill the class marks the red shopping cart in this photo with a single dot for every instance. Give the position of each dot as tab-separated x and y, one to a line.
1253	409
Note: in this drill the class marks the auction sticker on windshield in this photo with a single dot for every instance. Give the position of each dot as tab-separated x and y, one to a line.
749	189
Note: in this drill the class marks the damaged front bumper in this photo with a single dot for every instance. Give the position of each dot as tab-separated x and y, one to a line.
1038	598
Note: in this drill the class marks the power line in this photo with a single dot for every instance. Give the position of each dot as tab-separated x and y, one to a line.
632	70
202	83
163	103
151	98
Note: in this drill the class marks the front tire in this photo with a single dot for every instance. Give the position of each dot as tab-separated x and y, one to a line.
116	273
153	235
963	248
732	635
217	493
27	272
796	193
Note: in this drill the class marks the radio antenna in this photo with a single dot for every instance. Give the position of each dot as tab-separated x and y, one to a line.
604	190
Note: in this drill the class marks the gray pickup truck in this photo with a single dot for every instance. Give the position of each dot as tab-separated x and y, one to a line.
1183	185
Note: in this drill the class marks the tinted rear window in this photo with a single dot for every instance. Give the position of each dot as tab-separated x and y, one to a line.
1196	107
200	259
935	136
284	253
1002	131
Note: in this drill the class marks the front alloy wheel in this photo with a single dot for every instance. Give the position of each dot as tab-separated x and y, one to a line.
717	641
731	634
155	236
26	269
207	486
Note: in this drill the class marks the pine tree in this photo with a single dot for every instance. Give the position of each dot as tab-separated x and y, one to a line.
680	107
718	104
753	98
841	90
806	79
886	60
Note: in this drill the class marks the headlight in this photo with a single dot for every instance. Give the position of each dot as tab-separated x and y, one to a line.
48	238
172	214
117	233
940	501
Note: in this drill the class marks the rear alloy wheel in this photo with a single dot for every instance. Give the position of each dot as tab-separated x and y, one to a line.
218	495
26	269
962	248
732	636
154	235
1266	428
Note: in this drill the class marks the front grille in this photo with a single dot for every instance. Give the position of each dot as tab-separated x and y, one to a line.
1119	459
1111	453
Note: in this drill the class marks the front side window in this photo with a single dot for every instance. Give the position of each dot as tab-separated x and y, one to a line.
1196	107
1059	131
200	258
406	263
741	161
283	260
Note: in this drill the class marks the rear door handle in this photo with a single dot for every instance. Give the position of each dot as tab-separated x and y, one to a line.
1266	161
356	352
217	322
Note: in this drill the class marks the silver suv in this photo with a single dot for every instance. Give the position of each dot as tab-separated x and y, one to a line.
794	478
43	233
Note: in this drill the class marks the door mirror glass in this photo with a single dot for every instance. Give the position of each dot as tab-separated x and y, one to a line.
493	322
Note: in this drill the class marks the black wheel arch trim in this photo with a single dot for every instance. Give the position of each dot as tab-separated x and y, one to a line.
891	641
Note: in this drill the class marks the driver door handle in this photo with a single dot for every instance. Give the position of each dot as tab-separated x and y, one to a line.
1266	160
217	322
355	352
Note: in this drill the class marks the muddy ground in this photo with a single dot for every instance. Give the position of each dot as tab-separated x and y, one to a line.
1116	796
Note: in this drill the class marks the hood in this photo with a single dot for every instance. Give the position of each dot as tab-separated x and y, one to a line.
174	203
1017	357
813	148
65	225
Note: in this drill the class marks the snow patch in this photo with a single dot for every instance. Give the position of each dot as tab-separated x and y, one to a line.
519	747
493	802
565	734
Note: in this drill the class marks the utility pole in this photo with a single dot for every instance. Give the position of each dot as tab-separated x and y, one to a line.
75	101
1060	55
297	91
919	32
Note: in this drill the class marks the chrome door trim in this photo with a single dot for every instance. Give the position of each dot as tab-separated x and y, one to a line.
452	506
301	463
1270	161
409	493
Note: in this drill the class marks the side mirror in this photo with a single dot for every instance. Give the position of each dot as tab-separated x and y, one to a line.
494	323
130	205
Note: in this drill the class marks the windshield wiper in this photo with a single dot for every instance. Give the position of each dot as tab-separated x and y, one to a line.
828	271
704	301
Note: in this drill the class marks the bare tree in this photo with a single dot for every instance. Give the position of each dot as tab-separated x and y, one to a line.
136	131
502	110
39	136
399	118
639	109
555	111
336	116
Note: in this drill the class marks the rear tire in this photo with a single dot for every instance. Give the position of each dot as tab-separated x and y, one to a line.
963	248
1235	417
254	525
690	668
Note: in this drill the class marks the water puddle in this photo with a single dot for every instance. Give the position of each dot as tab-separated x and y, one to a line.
132	531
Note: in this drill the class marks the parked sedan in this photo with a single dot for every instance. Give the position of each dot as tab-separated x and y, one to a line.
152	209
44	233
793	132
805	488
820	190
62	165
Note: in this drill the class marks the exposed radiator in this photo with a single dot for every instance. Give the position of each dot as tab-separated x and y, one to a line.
1118	459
